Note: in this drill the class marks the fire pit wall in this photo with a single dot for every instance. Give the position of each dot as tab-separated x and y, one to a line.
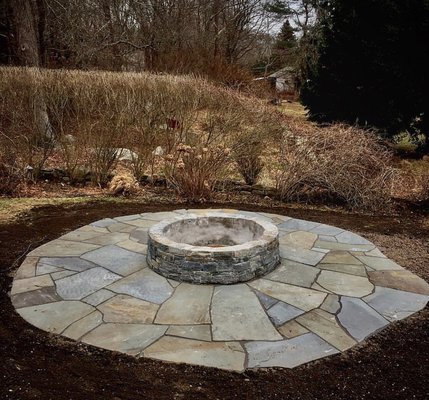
213	248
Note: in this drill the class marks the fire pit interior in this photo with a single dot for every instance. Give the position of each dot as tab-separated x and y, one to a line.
213	248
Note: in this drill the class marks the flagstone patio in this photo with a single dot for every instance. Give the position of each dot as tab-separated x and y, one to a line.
332	290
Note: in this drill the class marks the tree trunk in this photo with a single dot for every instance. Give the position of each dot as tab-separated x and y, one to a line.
26	16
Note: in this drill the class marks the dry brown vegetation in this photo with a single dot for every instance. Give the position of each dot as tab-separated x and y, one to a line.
184	128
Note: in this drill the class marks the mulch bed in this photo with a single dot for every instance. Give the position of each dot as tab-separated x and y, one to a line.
393	364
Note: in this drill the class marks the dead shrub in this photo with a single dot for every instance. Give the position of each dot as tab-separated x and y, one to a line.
343	162
123	184
247	155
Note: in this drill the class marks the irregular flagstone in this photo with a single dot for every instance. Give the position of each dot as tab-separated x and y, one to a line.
320	250
159	216
379	263
340	257
55	317
117	259
375	253
280	217
288	353
292	329
100	296
78	286
327	230
119	227
140	235
103	223
127	338
351	238
27	269
29	284
298	225
238	315
316	286
84	325
43	269
107	239
66	248
266	301
326	238
131	245
303	298
345	284
142	223
127	309
300	239
35	297
62	274
343	246
396	304
294	273
325	325
303	256
146	285
224	355
80	235
198	332
331	304
125	218
359	319
70	263
401	280
358	270
190	304
282	312
92	228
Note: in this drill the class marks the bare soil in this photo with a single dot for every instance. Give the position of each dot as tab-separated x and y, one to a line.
393	364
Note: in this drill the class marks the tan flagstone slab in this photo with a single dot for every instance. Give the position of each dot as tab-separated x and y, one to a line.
374	253
142	223
63	248
345	284
29	284
316	286
326	326
189	304
303	298
131	245
55	317
83	326
401	280
127	309
224	355
343	246
98	297
120	227
198	332
80	235
27	269
127	338
300	239
358	270
237	314
292	329
379	263
340	257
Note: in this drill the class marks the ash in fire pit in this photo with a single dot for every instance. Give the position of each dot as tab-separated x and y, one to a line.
213	248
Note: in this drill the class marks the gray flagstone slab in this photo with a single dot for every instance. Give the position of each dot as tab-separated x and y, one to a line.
189	304
359	319
98	297
146	285
294	273
282	312
303	256
127	338
345	284
78	286
70	263
55	317
288	353
396	304
238	315
351	238
303	298
117	259
379	263
224	355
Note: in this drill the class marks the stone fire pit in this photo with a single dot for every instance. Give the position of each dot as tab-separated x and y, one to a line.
214	248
